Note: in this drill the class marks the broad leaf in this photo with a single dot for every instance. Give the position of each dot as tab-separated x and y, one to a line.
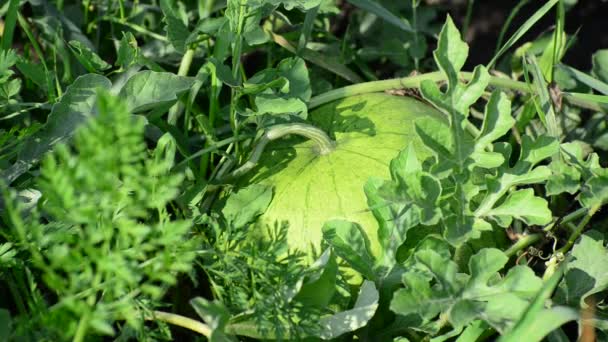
564	178
320	286
522	205
355	318
586	273
600	65
74	108
497	120
595	191
177	32
247	204
148	89
466	298
89	59
452	52
128	52
350	243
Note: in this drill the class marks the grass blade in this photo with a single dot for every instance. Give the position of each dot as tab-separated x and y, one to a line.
545	107
592	82
507	23
523	29
318	59
30	35
382	12
309	22
588	97
9	24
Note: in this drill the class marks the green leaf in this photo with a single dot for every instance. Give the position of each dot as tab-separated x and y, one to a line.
546	321
302	5
405	163
295	71
7	255
149	89
600	65
33	72
247	204
350	243
5	325
128	52
215	314
595	191
269	103
106	221
537	321
410	199
177	32
394	218
355	318
437	137
320	286
292	80
497	120
603	99
585	273
72	110
544	103
522	205
521	31
564	178
593	82
459	228
89	59
482	295
376	8
535	151
223	73
418	298
451	52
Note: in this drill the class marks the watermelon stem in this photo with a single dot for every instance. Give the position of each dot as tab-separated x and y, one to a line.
323	143
436	76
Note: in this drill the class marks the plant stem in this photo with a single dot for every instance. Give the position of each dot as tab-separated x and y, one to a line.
184	67
216	146
81	330
30	35
579	230
437	76
135	27
323	144
522	243
236	65
183	322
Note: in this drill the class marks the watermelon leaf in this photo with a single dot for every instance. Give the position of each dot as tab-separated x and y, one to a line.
464	298
585	273
350	243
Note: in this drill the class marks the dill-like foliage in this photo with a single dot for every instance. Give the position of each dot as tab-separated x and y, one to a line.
258	278
101	237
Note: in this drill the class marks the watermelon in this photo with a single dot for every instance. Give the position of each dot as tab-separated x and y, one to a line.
311	188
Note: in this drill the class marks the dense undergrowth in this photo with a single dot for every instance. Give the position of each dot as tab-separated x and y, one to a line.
142	142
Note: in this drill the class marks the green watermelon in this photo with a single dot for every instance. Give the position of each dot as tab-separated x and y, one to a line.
310	189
